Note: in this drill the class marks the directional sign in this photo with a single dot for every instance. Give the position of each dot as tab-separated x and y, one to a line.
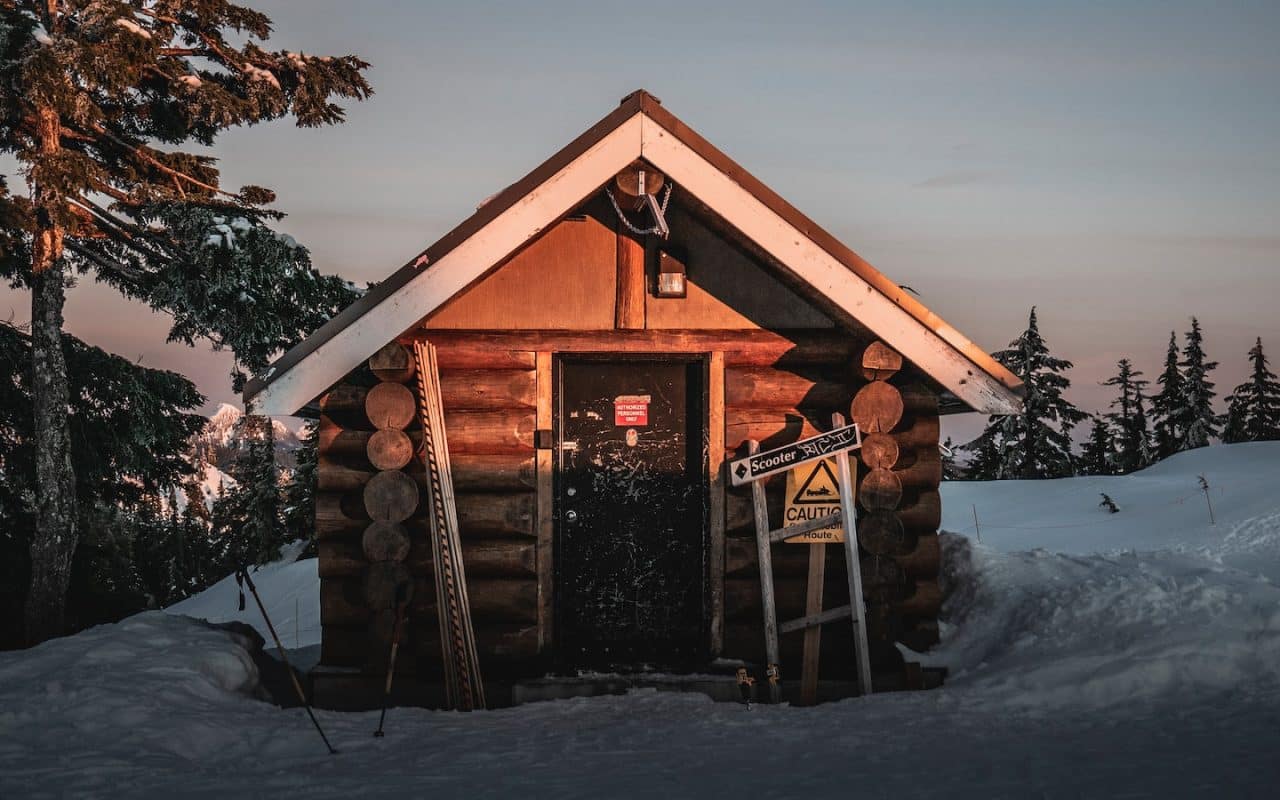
761	465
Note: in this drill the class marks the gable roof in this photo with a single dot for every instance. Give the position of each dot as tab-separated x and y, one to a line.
639	128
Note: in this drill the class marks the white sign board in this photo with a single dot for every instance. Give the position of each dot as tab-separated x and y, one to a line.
781	459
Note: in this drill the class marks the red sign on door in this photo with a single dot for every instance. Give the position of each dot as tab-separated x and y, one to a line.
631	410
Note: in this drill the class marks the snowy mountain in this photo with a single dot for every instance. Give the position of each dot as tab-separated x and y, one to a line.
224	436
1092	654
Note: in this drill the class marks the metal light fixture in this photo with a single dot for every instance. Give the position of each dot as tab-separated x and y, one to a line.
672	280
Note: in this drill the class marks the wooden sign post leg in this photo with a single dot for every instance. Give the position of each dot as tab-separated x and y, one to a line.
848	518
765	559
813	635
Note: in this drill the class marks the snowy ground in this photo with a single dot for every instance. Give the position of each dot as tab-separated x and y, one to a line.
1093	655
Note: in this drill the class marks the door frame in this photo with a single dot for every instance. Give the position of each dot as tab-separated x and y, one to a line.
710	593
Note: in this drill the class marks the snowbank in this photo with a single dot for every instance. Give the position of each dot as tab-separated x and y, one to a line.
152	684
1066	604
1045	630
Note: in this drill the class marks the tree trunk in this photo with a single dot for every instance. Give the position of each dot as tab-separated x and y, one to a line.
54	542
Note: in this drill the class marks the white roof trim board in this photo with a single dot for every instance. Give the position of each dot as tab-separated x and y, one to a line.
938	349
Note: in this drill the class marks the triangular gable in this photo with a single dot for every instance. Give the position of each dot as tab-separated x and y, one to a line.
639	128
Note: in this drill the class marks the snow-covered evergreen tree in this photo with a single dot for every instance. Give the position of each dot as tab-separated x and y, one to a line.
95	95
299	512
1099	454
1194	413
1166	402
1072	463
247	520
1131	442
1037	442
1146	450
1253	409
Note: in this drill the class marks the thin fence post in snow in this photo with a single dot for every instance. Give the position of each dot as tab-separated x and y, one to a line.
1204	484
976	529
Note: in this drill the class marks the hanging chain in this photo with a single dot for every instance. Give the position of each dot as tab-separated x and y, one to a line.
639	231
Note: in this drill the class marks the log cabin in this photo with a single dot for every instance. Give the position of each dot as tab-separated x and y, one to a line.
610	330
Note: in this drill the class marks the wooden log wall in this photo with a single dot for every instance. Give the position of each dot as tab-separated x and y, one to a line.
777	387
371	522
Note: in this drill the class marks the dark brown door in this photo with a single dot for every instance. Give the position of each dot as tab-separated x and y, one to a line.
631	496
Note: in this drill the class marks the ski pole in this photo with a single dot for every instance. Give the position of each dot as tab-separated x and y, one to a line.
401	604
242	579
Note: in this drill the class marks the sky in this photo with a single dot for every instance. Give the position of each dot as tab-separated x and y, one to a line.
1115	164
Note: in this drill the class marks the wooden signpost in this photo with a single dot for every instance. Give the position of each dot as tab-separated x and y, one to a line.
757	465
813	492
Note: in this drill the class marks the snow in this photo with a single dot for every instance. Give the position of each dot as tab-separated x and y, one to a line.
133	27
259	74
41	35
1092	655
290	591
191	81
1161	507
223	428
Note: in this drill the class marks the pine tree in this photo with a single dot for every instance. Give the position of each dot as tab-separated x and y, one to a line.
130	428
1037	442
299	512
1195	411
986	461
247	519
1253	409
1098	457
95	95
1072	467
1165	403
1131	442
1145	449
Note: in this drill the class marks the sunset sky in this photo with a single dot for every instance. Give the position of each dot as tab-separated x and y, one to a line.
1116	164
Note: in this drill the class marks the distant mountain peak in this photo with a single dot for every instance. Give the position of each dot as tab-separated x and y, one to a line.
226	411
224	436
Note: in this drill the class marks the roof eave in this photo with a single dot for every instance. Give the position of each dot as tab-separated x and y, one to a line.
664	140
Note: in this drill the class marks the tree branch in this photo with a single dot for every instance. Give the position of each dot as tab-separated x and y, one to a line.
103	263
141	151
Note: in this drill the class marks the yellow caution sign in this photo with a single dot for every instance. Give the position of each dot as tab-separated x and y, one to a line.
813	492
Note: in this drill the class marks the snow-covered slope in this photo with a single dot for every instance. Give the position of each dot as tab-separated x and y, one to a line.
1092	655
290	591
1162	507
